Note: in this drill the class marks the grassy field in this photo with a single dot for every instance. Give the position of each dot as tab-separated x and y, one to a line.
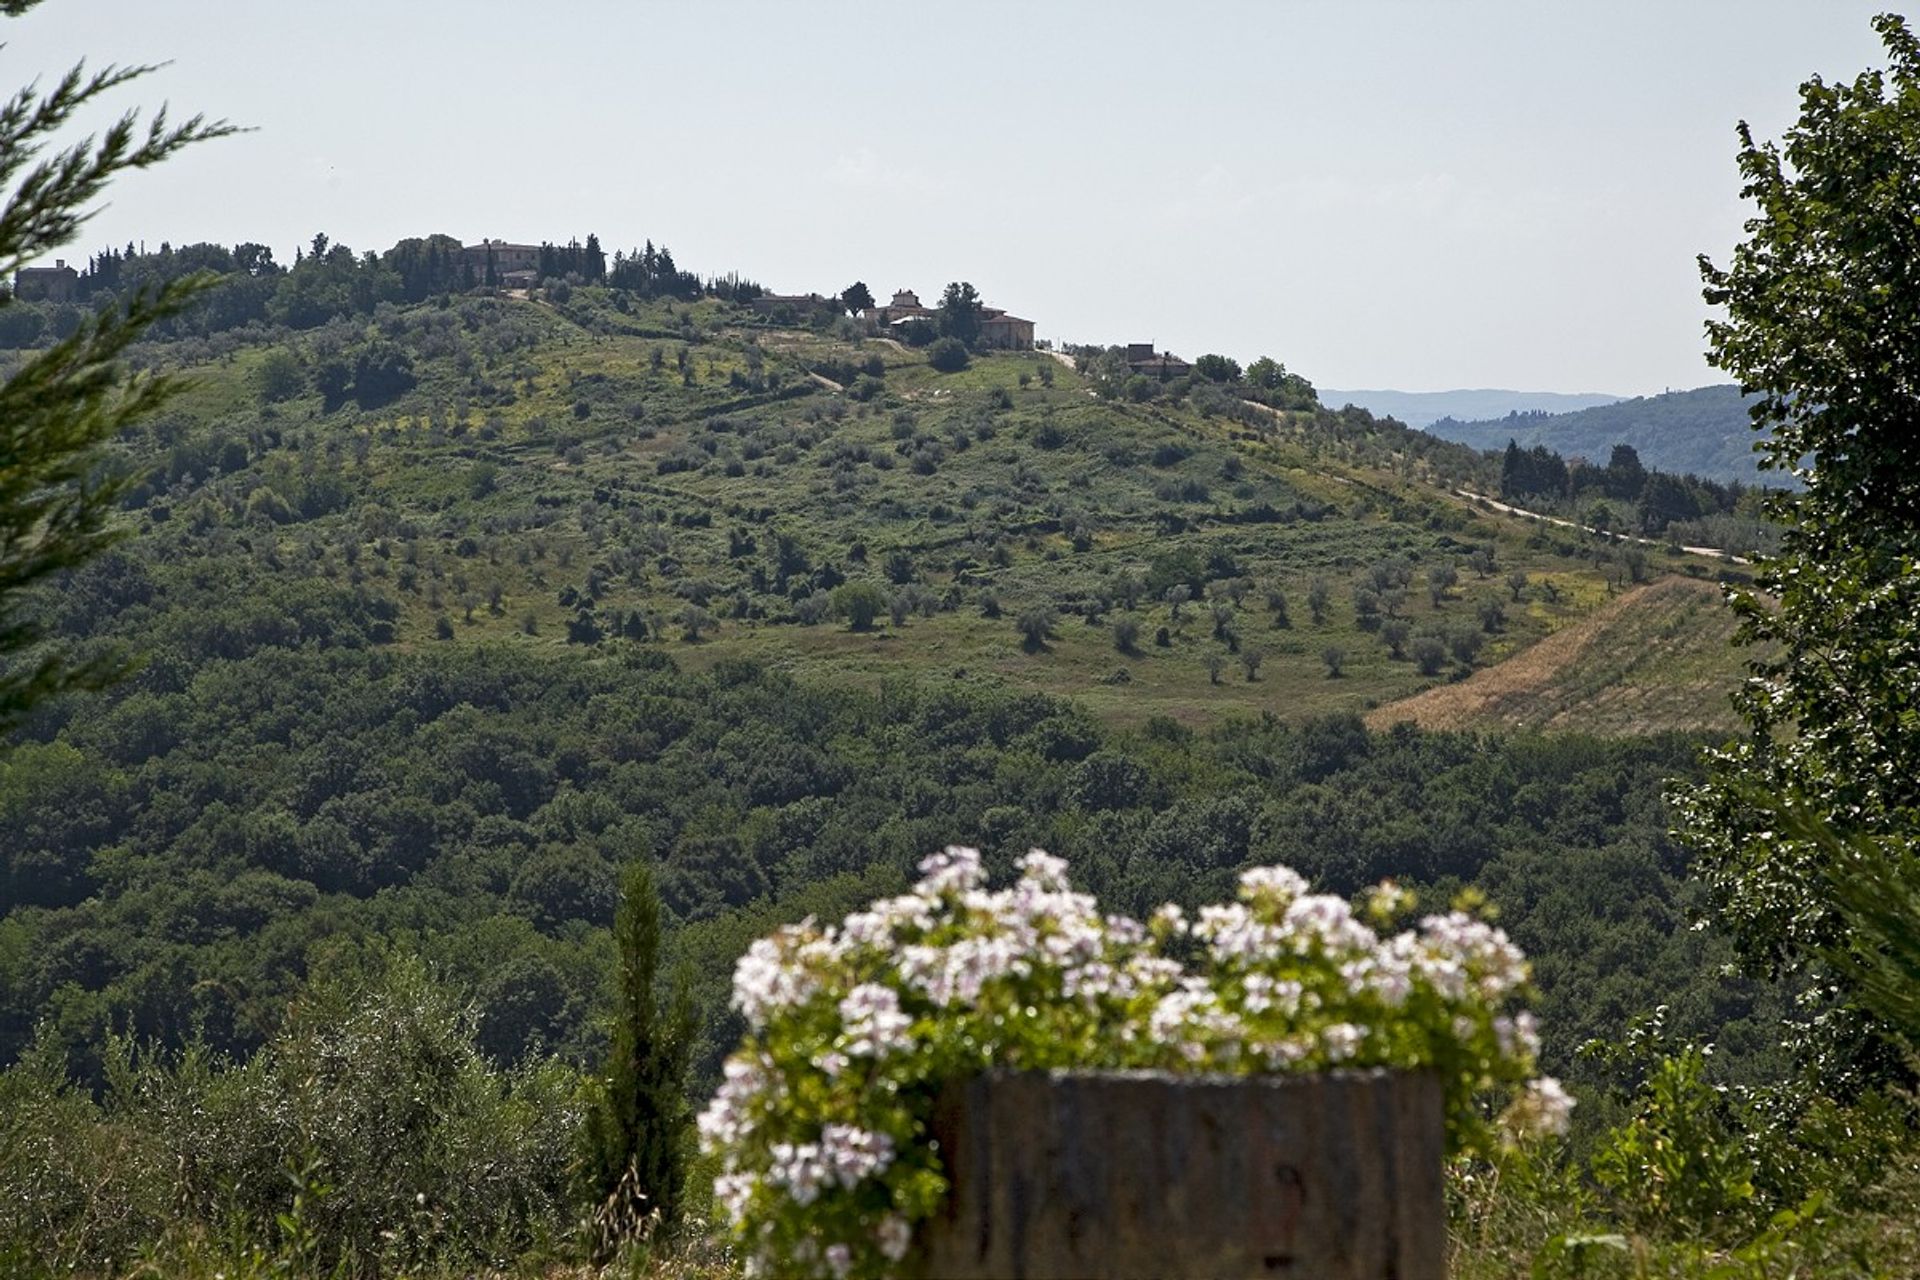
1656	657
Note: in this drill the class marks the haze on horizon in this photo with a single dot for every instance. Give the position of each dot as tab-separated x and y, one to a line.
1382	193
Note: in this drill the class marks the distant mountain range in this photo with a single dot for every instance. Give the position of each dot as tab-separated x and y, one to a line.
1705	432
1422	408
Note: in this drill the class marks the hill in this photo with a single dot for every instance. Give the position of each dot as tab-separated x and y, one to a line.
1421	408
591	469
1704	432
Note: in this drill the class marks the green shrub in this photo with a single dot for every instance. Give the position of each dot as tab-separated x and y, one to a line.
369	1135
948	355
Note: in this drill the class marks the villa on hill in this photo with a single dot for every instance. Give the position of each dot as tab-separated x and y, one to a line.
998	330
1144	360
514	265
56	283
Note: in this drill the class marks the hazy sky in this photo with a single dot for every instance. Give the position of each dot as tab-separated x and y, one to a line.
1408	193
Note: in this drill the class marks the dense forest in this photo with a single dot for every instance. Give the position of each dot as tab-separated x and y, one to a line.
1705	432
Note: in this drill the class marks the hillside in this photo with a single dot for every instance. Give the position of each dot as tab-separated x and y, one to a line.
1422	408
574	476
1704	432
1654	656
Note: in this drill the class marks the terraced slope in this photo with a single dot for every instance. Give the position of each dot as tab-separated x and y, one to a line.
1658	657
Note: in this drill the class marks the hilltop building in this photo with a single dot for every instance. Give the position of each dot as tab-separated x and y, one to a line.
1144	360
514	265
904	307
56	283
998	330
1004	332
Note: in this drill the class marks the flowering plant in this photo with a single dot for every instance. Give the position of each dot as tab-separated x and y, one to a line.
820	1124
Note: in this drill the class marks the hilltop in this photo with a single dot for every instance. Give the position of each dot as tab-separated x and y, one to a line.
1423	408
1703	432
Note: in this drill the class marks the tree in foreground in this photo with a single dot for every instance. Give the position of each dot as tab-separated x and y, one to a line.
639	1132
60	409
1822	324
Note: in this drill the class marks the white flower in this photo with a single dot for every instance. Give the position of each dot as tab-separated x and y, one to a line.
875	1027
1281	1055
1168	920
1543	1108
1264	992
1491	962
733	1191
953	870
1323	919
1044	869
1277	884
729	1116
895	1236
1192	1022
1234	933
1342	1040
797	1170
768	978
1518	1034
849	1154
1274	969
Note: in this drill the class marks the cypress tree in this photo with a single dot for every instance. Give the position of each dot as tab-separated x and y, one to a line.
639	1132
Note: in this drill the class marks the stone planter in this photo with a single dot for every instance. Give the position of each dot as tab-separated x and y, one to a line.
1134	1174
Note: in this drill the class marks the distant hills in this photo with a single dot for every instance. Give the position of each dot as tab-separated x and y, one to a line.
1704	431
1423	408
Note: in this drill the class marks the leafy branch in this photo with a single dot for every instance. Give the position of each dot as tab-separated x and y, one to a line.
57	494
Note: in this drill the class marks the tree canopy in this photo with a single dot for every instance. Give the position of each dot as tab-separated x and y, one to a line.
1822	323
960	313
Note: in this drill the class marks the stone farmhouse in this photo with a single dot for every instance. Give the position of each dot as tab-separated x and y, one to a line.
514	265
998	330
56	283
1164	365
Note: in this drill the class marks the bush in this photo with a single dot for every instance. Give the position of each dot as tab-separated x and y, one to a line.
819	1130
369	1137
948	355
1429	654
281	377
859	603
1035	626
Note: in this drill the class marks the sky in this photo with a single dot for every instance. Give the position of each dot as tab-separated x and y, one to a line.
1418	194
